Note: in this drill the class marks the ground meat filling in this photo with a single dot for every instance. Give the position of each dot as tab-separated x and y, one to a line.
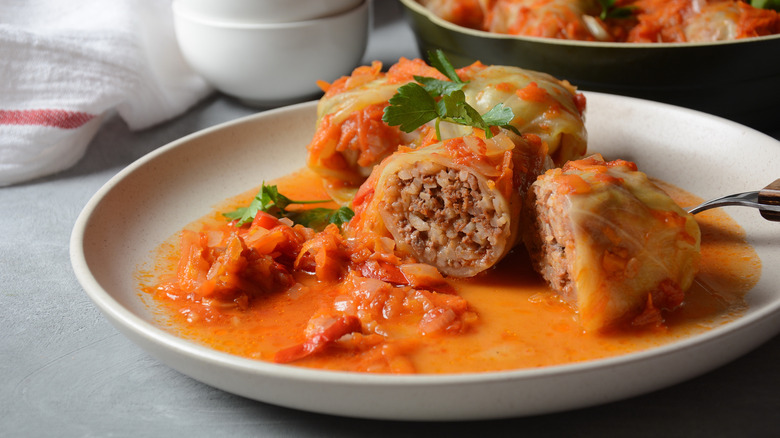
549	239
445	217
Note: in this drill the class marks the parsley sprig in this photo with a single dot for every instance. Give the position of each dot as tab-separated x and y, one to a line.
417	103
269	200
766	4
610	10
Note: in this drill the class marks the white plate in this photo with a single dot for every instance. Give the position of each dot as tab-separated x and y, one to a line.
157	195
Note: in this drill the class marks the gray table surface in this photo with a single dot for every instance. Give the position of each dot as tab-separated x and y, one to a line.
67	372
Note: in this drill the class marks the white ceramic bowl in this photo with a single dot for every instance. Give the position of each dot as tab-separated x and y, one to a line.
272	64
267	11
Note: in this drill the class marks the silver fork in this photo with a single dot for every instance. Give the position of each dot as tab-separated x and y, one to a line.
766	200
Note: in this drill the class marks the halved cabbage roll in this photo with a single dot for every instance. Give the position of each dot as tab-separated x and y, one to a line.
455	204
610	242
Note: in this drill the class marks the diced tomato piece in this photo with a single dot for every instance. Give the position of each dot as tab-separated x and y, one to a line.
264	220
327	331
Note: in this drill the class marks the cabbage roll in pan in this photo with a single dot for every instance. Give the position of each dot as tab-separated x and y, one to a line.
467	13
610	242
563	19
455	204
701	21
351	138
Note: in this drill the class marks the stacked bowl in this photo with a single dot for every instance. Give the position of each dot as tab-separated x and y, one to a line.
271	52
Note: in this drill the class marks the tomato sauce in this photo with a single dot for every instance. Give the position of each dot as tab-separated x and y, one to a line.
513	321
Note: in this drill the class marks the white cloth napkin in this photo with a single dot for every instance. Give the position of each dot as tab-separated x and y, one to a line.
64	64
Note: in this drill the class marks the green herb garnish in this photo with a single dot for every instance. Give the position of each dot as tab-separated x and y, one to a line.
414	104
319	218
269	200
609	10
766	4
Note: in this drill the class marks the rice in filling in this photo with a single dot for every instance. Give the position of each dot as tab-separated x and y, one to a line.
445	216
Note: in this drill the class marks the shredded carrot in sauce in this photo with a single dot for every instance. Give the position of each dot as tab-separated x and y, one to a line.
360	76
505	87
405	70
574	184
533	93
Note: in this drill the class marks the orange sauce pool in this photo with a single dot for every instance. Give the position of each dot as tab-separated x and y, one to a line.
519	322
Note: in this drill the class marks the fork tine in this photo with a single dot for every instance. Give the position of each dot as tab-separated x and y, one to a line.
770	196
746	199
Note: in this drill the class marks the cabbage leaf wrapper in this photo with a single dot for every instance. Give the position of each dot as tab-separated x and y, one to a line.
611	242
455	204
543	105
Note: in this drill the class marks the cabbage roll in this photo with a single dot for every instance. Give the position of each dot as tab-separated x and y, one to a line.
466	13
610	242
351	138
727	20
562	19
455	204
701	21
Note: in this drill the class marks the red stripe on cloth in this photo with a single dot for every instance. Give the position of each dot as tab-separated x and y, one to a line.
45	117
